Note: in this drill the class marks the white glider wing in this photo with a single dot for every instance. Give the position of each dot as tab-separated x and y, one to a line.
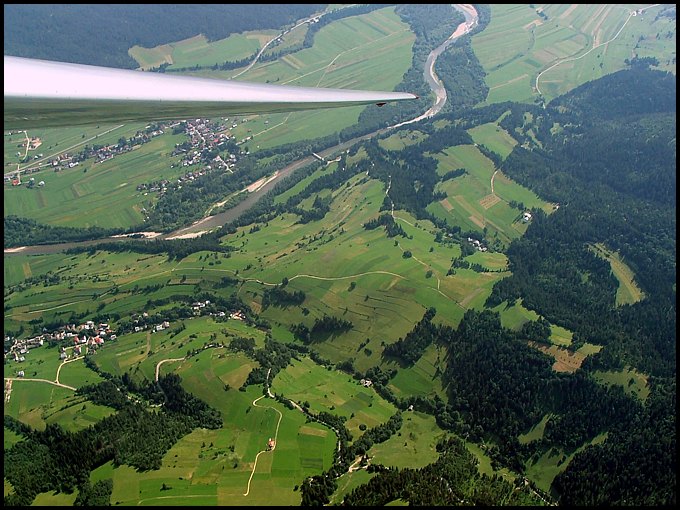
40	93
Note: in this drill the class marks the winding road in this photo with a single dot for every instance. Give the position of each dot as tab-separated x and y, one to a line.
570	59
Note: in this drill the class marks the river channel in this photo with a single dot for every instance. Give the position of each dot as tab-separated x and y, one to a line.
217	220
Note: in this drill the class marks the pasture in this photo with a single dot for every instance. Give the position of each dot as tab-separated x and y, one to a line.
536	432
215	466
198	50
494	138
586	41
634	383
401	139
82	196
543	469
423	378
334	392
358	274
479	200
414	446
515	315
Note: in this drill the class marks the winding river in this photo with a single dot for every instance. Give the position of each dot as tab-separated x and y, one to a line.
217	220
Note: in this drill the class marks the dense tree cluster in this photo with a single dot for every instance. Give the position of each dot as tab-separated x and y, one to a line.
411	348
612	170
176	249
322	329
280	297
392	228
25	231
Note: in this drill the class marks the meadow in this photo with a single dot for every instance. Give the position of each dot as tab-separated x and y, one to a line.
633	382
198	50
522	41
479	199
83	196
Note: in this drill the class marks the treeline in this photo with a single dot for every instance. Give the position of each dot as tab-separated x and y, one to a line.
25	232
57	32
323	328
452	174
176	249
412	347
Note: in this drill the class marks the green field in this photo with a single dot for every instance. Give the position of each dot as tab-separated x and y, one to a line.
549	464
515	315
536	432
198	51
413	446
470	202
494	138
401	139
591	40
633	382
423	378
202	469
390	293
333	392
82	196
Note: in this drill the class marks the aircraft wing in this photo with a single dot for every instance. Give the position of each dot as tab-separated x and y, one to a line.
40	93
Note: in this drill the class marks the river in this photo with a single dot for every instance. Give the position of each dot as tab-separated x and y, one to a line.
217	220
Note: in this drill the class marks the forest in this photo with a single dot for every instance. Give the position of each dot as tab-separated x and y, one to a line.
111	30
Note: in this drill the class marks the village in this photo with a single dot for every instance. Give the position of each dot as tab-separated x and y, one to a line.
89	336
207	139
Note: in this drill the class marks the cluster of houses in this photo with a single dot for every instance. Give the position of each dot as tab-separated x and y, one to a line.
88	335
106	152
477	244
205	138
142	322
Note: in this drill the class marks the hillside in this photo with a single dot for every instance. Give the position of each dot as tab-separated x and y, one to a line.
57	32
